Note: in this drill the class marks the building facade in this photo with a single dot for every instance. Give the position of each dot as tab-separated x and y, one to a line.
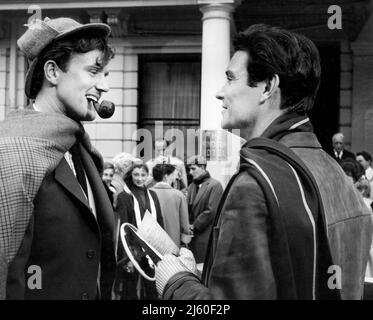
170	61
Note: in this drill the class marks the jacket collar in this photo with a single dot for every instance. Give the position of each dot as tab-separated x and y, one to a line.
293	130
162	185
301	140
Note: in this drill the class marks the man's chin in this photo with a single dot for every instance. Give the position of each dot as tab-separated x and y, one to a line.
90	116
225	125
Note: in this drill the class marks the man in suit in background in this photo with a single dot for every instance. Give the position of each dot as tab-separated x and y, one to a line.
204	194
339	152
56	221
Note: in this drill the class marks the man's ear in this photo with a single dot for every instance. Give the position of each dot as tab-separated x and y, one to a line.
51	71
270	88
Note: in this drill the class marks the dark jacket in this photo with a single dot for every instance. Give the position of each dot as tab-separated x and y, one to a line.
241	263
126	212
345	155
131	286
202	206
66	240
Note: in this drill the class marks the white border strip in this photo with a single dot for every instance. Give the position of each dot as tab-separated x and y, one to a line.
313	228
97	4
295	125
264	175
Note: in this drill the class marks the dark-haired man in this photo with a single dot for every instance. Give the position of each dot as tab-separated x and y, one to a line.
173	203
56	221
161	155
281	230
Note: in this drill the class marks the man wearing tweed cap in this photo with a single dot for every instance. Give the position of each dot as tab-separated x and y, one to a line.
55	215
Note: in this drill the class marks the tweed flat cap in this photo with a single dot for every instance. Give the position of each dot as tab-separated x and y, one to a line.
42	33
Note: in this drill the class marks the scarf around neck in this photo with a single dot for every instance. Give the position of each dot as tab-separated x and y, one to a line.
202	178
136	205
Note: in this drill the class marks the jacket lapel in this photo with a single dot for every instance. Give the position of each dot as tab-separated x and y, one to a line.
104	210
200	192
105	218
65	176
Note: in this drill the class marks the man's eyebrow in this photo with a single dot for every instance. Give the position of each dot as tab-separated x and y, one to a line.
95	66
99	65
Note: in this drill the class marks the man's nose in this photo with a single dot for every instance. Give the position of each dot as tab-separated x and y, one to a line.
102	85
220	94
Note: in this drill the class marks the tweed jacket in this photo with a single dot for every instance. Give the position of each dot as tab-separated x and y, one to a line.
202	206
241	262
47	222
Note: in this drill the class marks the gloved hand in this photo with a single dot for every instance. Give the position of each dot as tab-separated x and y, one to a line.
171	265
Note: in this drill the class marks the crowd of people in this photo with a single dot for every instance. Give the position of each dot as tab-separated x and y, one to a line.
288	215
185	212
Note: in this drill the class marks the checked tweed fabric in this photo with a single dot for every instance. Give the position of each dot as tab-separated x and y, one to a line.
29	161
31	146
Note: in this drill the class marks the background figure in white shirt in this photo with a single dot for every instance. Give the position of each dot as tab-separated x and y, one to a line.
365	159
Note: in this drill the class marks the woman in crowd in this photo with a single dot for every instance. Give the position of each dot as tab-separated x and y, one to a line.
123	162
173	203
131	207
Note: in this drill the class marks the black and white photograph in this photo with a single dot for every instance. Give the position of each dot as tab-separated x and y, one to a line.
189	150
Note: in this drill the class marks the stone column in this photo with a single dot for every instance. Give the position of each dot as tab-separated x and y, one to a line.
362	91
223	147
215	57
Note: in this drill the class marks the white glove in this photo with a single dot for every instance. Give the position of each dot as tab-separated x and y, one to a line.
171	265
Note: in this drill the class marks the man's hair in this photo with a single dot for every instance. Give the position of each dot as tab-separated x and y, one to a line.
197	160
61	51
161	170
365	155
108	165
293	57
336	135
